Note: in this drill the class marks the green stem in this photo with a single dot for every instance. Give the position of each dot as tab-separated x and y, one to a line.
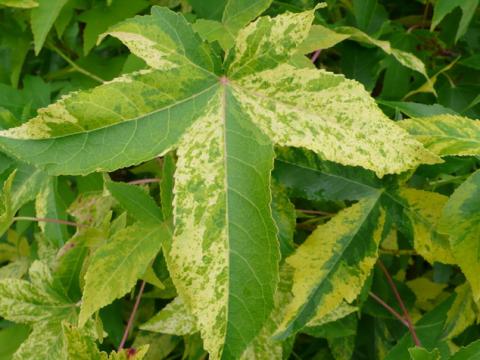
74	65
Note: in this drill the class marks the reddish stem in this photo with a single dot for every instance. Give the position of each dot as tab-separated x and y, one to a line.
55	221
406	315
388	308
144	181
132	316
315	56
315	212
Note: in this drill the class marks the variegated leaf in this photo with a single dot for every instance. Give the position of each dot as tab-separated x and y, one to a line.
31	302
446	135
224	256
312	109
165	41
267	43
461	221
127	121
424	211
331	266
117	265
175	319
236	14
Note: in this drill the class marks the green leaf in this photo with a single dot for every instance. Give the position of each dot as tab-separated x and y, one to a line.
418	353
21	187
333	263
444	7
446	135
49	204
175	319
100	17
24	4
11	338
115	267
470	352
307	176
424	211
463	312
429	330
236	14
14	45
138	203
415	110
461	221
283	213
42	19
166	186
70	262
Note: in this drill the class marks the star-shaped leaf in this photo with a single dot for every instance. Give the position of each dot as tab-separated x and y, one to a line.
224	121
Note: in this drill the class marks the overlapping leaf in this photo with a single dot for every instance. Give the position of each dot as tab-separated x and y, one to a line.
224	255
446	135
331	266
461	221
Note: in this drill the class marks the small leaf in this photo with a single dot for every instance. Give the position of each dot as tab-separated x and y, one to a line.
236	14
418	353
136	201
115	267
267	43
446	135
469	352
24	302
175	318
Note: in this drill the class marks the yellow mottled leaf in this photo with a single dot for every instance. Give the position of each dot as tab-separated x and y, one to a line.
331	266
424	210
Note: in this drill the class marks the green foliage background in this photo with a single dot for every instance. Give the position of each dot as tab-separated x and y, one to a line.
82	241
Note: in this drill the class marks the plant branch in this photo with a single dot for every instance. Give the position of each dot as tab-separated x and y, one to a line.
388	308
398	252
315	212
74	65
48	220
144	181
316	55
132	316
406	315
